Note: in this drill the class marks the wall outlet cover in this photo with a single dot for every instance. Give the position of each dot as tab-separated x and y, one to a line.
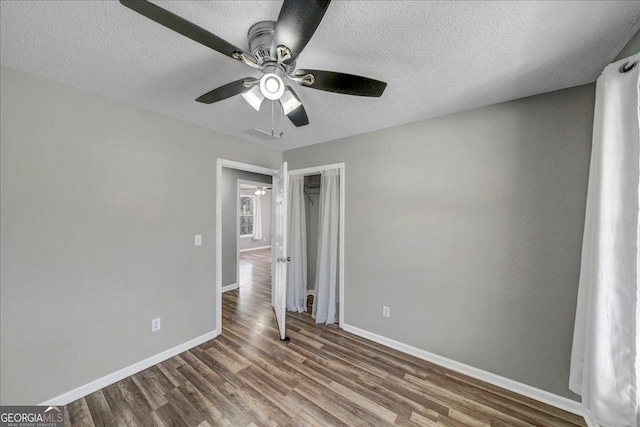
386	311
155	325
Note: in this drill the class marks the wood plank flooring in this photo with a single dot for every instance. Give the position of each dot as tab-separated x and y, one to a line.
322	377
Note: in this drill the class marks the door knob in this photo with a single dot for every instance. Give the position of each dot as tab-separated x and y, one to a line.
288	259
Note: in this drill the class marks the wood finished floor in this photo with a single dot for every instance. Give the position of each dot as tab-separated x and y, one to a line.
322	377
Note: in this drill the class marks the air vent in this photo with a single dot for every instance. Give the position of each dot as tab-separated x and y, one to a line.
262	134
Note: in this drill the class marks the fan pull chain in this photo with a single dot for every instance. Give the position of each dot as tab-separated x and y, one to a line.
281	128
273	121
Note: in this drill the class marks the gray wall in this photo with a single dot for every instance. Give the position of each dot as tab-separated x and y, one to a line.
230	179
100	202
265	209
469	227
632	47
471	233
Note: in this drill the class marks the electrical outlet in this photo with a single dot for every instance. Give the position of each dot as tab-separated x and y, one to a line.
198	240
386	311
155	325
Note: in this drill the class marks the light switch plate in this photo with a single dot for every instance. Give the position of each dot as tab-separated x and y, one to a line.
198	240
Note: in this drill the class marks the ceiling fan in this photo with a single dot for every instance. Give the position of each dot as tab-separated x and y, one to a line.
274	48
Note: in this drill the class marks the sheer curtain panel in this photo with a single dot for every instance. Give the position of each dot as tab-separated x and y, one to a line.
604	358
325	302
297	274
257	218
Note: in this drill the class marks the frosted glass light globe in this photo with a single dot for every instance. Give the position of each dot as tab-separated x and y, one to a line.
271	86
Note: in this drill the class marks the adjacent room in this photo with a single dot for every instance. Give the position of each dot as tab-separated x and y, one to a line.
319	213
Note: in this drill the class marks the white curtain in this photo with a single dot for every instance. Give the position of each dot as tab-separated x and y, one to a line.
325	302
257	218
297	273
604	358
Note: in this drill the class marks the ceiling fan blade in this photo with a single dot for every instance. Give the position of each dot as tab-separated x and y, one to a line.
298	116
182	26
347	84
296	24
224	92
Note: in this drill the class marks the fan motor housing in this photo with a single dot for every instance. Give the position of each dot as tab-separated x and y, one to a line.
260	38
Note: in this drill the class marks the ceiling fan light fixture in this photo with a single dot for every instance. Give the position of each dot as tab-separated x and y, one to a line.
274	47
289	102
254	97
271	86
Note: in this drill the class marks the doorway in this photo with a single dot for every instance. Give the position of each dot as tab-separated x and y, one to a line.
229	175
279	255
254	203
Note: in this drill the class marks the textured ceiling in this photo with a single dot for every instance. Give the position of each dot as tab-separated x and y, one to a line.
437	57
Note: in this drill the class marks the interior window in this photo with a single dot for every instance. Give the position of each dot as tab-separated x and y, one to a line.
246	215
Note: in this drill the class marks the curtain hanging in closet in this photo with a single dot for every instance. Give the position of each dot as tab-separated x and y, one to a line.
257	218
297	273
325	302
604	360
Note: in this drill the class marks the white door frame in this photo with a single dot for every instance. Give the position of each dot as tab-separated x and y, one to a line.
239	184
223	163
314	171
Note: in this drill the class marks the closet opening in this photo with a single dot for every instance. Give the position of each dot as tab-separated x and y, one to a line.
315	279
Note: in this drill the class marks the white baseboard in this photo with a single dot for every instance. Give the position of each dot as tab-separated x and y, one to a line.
497	380
230	287
123	373
255	249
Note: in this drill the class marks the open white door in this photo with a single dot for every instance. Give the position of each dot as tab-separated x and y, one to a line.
279	247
